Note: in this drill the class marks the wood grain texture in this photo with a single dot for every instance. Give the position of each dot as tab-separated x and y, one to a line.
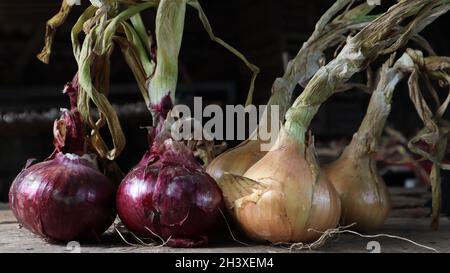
13	239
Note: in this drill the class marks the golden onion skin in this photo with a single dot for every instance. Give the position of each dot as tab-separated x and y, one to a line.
363	193
293	196
237	160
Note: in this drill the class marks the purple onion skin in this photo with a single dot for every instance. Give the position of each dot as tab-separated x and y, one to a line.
63	199
172	196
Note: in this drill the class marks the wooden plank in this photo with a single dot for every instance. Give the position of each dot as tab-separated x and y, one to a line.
13	239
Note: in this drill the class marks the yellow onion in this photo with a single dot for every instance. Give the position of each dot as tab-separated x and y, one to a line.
283	195
363	193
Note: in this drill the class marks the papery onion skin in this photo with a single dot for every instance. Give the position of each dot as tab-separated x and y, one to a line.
62	199
297	197
363	193
169	194
237	160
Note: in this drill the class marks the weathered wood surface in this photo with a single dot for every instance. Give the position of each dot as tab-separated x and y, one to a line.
13	239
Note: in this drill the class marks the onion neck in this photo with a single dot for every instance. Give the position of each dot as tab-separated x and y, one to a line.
365	140
298	118
169	33
305	64
69	134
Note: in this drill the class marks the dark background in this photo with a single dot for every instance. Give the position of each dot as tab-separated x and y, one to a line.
268	32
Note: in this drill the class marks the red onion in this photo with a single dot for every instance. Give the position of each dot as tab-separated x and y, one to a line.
65	197
169	194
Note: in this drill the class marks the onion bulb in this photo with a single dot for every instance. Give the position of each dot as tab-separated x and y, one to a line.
363	193
364	196
65	197
169	195
283	195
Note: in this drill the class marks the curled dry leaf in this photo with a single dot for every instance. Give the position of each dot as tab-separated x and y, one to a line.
52	24
436	131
